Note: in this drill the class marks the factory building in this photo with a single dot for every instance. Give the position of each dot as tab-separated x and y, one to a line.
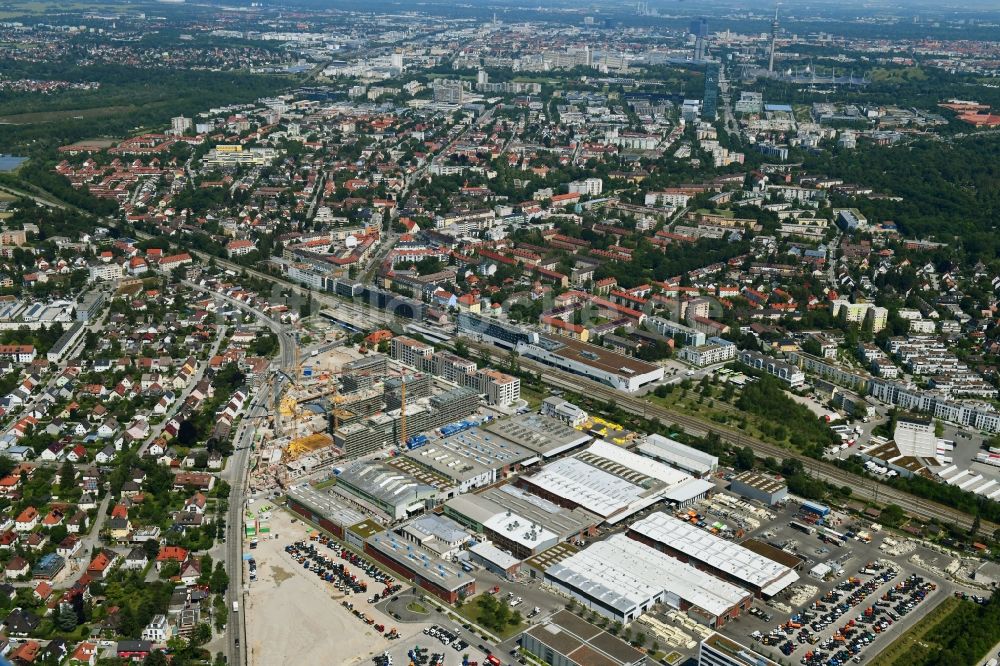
717	650
470	459
601	365
621	578
713	554
760	487
685	458
544	435
384	490
490	512
613	483
421	567
566	639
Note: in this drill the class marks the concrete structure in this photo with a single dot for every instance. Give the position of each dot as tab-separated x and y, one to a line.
491	511
760	487
730	561
470	459
568	640
410	352
673	329
786	372
715	350
389	490
717	650
324	508
563	410
622	578
495	560
438	534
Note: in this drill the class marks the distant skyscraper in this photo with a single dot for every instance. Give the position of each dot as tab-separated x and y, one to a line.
699	28
710	104
482	77
774	39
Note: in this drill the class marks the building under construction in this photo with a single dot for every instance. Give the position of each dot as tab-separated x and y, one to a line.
422	414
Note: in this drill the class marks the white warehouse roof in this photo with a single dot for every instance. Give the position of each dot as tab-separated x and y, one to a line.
608	480
728	557
520	530
627	575
679	455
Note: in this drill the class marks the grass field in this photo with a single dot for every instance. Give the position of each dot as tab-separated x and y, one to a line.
51	116
899	651
898	75
470	610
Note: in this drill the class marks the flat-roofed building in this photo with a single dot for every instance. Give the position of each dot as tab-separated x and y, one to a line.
410	352
470	459
326	509
391	491
483	512
683	457
760	487
499	388
621	578
494	559
613	483
544	435
786	372
715	350
566	639
564	411
602	365
438	534
722	558
420	566
519	536
717	650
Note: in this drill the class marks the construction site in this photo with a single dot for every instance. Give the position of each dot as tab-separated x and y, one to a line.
343	403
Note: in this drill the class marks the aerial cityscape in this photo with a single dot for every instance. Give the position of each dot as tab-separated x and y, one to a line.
430	333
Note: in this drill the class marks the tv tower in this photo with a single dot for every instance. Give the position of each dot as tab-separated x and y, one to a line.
774	38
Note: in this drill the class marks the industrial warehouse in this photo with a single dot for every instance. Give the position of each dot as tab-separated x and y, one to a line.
613	483
725	559
622	578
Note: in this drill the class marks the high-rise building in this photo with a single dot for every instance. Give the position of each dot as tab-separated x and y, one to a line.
482	78
774	39
180	124
699	28
710	105
449	91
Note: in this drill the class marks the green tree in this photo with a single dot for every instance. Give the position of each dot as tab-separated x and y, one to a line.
67	476
67	619
744	459
156	658
219	581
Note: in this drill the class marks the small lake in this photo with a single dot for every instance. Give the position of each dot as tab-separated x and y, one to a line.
10	162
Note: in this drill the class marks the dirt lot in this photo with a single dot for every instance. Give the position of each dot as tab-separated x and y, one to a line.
295	618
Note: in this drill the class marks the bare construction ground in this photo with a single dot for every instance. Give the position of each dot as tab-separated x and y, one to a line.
295	618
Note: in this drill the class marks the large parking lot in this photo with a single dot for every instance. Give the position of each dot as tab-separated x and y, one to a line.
865	601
